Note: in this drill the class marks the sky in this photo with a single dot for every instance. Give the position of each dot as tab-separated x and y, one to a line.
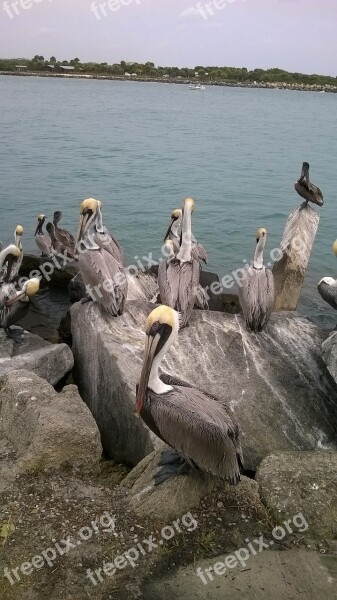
296	35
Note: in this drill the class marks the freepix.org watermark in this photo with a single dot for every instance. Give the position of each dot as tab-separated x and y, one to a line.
141	548
241	557
14	9
47	558
206	10
101	9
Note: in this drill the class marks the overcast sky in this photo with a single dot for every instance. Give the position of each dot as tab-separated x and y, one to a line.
297	35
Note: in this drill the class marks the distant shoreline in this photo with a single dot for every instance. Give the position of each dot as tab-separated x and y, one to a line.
301	87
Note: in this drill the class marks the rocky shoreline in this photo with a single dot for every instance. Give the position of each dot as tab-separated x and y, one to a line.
300	87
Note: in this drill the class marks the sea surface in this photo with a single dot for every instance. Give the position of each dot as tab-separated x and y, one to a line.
142	147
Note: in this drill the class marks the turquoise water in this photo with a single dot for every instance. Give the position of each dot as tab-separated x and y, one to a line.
141	148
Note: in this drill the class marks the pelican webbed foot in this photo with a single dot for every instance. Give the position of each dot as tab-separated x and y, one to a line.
15	334
304	204
172	465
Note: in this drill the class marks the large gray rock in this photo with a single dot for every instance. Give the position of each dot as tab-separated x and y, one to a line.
275	382
329	353
50	361
306	482
178	494
46	429
296	245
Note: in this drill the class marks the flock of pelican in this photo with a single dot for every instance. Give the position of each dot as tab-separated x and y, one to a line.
200	430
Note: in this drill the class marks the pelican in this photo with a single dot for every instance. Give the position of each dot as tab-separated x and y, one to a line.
62	235
18	242
42	241
15	306
327	287
178	276
57	246
256	289
9	258
100	260
307	190
174	233
199	429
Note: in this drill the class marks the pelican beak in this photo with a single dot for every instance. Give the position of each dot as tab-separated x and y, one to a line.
84	218
150	351
15	298
169	230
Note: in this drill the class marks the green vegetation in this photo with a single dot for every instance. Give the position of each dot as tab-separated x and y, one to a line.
149	70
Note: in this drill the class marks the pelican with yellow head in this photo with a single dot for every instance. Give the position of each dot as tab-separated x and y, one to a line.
256	288
327	287
16	307
101	260
10	261
199	429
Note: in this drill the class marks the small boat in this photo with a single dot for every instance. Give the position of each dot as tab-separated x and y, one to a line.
196	86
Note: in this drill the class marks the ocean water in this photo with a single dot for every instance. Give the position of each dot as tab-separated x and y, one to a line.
141	148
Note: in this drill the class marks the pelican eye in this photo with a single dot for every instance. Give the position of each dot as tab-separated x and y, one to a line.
155	328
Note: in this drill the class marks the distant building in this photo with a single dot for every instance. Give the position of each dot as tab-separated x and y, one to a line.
20	67
66	68
51	67
166	76
127	74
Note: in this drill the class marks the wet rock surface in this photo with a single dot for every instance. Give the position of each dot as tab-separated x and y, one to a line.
275	382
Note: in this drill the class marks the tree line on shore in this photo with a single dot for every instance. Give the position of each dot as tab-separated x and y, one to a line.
210	73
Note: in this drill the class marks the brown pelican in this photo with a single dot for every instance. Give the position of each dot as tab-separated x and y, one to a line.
174	233
178	276
43	241
306	189
18	242
327	287
57	246
15	305
100	260
256	289
63	236
197	426
9	258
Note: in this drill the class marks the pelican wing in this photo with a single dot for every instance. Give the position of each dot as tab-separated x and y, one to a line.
44	245
200	429
109	243
118	278
200	252
97	279
65	237
168	282
188	285
256	295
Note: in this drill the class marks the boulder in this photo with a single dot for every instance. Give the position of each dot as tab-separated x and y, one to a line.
306	482
178	494
295	249
329	353
46	429
56	270
49	361
275	382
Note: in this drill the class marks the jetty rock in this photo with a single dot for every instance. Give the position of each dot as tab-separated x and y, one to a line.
302	482
329	351
178	494
46	429
275	382
49	361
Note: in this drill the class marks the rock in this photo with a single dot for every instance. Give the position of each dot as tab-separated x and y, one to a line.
76	288
329	350
49	361
177	495
231	304
296	245
46	429
275	382
302	482
56	271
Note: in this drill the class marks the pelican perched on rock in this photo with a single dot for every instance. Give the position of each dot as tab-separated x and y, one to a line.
174	229
9	259
306	189
100	260
256	289
199	428
43	241
327	287
63	236
57	246
178	276
15	306
18	233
